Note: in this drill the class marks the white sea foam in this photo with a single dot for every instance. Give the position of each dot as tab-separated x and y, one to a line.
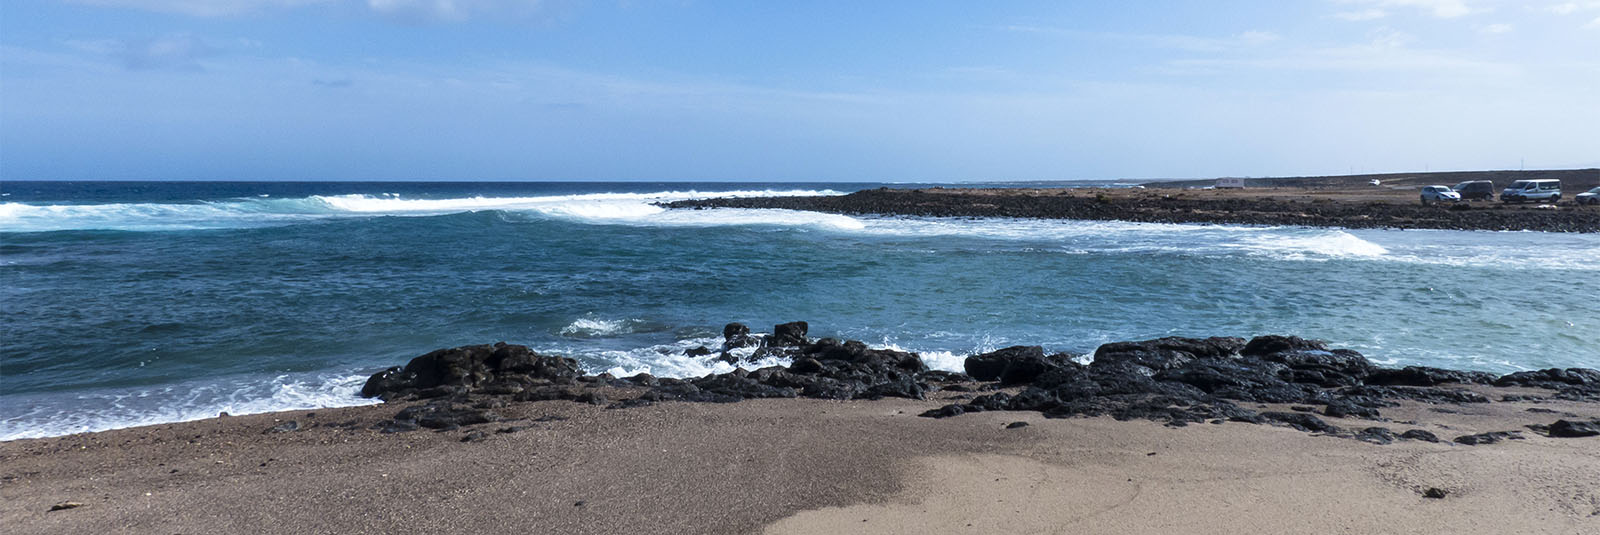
250	212
100	411
1310	244
672	360
596	328
1456	248
1452	248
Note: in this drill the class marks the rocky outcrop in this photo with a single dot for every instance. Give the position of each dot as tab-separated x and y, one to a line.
1016	364
1166	207
495	369
1487	438
1188	380
1574	429
1426	376
1174	380
827	368
1573	384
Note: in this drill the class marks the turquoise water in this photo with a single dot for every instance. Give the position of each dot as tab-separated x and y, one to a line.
137	303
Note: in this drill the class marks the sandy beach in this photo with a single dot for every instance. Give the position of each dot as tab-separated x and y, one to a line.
488	267
801	466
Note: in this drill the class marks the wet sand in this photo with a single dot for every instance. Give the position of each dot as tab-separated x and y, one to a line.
803	466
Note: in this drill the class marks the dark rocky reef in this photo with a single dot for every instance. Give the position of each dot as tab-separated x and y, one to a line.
826	368
1174	380
1169	208
1189	380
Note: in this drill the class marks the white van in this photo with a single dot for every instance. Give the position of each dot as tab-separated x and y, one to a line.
1532	190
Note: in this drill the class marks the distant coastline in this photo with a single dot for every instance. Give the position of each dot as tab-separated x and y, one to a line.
1373	207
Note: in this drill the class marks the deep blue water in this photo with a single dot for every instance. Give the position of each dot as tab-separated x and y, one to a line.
133	303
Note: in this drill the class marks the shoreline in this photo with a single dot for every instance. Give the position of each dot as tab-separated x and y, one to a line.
790	466
458	448
1350	209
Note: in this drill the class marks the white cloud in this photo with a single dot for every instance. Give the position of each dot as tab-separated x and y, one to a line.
1568	8
1257	37
169	53
203	8
1365	14
1495	28
450	10
1593	24
1173	41
1386	50
1445	9
1390	38
411	10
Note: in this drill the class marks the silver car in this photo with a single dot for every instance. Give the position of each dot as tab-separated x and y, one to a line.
1433	194
1589	197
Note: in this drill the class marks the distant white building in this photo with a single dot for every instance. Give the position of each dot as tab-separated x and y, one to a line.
1230	183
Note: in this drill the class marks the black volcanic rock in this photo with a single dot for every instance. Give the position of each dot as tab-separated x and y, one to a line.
1241	380
738	386
1340	367
1376	435
1016	365
989	366
1166	353
457	370
1425	376
1487	438
1178	381
1301	421
1269	344
1414	393
736	335
1418	434
1153	207
1571	429
445	415
791	334
1552	378
1348	408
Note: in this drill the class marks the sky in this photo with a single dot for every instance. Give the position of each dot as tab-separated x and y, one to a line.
926	91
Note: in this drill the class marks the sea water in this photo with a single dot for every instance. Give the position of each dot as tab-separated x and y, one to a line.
130	303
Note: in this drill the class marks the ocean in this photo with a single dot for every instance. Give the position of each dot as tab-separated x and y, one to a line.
133	303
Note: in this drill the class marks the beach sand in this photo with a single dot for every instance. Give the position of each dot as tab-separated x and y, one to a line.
802	466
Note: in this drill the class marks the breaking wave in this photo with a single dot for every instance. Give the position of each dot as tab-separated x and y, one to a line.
100	411
258	211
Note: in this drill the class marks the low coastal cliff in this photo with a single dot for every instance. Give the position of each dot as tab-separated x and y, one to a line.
1165	206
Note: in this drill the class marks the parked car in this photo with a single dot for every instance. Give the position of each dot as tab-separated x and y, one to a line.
1475	190
1532	190
1589	197
1433	194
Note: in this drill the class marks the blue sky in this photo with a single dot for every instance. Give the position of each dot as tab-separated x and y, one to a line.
870	91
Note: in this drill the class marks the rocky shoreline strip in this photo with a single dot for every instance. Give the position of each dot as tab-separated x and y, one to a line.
1162	206
1178	381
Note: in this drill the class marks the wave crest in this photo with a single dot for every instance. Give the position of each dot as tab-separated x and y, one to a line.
254	212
